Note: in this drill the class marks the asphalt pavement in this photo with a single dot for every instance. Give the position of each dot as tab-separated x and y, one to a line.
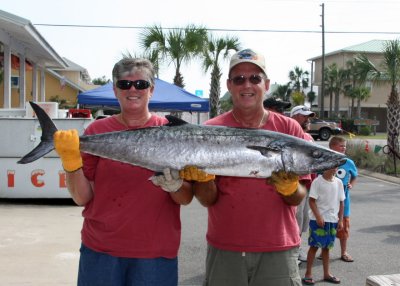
39	239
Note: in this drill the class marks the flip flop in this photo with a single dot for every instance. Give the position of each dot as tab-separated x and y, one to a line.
332	279
346	258
308	281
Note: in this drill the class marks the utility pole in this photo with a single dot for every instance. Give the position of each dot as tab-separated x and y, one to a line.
322	95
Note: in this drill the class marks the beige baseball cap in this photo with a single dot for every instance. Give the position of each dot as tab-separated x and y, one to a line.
248	56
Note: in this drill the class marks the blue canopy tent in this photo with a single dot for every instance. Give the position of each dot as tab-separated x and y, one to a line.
166	97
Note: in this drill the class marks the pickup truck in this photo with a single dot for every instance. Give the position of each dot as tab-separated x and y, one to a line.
323	130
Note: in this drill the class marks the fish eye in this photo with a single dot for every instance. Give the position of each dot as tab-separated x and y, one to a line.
316	154
341	173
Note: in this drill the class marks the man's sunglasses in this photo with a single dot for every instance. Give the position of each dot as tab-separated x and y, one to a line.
125	84
241	79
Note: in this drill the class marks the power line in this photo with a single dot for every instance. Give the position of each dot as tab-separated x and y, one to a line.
220	29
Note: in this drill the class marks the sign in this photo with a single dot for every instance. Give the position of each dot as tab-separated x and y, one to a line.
43	178
199	92
368	122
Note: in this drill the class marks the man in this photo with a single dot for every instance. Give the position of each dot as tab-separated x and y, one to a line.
302	115
252	231
276	104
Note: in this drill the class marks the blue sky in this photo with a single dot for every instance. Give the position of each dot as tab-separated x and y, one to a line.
97	49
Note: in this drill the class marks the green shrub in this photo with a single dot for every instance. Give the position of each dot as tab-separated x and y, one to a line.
348	125
371	161
365	130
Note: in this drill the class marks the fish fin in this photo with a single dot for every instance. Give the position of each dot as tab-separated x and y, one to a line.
46	144
265	151
175	121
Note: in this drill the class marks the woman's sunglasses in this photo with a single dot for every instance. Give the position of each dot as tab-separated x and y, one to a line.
125	84
241	79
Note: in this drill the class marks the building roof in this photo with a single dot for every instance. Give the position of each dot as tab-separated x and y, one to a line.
373	46
67	81
23	38
72	66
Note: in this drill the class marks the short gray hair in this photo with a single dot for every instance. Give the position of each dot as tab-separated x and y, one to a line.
128	66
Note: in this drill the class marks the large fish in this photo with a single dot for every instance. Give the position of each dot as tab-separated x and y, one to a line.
215	149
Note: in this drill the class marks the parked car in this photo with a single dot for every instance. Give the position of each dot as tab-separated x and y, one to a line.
323	130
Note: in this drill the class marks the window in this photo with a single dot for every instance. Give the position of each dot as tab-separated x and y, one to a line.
15	81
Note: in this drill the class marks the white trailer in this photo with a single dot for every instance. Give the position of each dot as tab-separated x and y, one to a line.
44	178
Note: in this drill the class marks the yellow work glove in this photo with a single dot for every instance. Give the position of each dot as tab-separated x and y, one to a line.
66	143
285	183
192	173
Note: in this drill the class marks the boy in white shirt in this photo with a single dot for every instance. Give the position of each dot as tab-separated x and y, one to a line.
326	217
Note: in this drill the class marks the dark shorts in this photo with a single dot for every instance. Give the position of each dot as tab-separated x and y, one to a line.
100	269
322	237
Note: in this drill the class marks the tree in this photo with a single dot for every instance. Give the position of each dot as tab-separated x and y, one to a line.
360	93
298	98
350	83
216	52
299	79
329	85
152	56
100	80
358	72
283	92
390	73
226	104
62	103
334	85
311	97
179	45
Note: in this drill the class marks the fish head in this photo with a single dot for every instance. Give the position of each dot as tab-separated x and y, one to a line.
308	157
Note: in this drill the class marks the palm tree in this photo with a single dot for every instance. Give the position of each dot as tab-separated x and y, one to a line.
334	82
360	93
390	73
299	79
217	51
153	56
391	65
311	97
282	91
340	83
359	71
179	45
351	81
329	85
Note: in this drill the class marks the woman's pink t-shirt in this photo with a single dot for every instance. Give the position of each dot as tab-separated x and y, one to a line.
128	216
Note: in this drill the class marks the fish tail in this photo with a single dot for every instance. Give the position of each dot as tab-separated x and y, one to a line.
46	144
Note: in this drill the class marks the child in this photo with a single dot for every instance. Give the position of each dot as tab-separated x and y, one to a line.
348	174
326	215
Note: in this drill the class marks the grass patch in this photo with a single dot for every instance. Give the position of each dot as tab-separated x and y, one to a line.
382	136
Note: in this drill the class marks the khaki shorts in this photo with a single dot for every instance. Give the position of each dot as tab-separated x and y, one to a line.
302	215
345	231
230	268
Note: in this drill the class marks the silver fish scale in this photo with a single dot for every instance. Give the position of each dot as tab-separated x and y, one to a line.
215	149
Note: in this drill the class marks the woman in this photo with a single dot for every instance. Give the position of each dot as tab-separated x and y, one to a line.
131	230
